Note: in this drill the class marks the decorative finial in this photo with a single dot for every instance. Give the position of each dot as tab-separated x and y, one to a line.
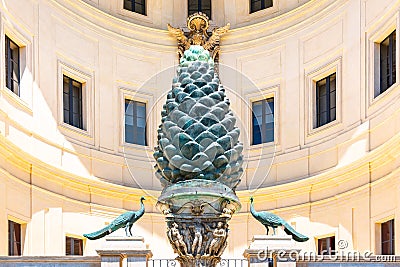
198	24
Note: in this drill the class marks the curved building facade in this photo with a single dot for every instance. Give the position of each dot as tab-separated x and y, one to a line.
324	156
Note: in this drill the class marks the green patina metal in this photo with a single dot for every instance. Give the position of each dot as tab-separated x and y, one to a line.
198	138
269	219
126	220
198	155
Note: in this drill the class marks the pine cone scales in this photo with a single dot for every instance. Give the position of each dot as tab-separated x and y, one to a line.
198	138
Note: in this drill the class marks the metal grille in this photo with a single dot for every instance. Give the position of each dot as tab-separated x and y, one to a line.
223	263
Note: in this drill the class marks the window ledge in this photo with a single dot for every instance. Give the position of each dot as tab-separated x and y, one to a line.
16	100
330	125
75	134
131	146
383	95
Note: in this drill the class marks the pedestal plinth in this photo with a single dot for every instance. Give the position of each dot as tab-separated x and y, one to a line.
267	251
124	252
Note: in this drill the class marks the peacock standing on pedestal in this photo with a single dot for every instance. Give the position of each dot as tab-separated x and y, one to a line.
271	220
126	220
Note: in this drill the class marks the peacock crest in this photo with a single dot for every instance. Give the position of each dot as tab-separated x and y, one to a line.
197	138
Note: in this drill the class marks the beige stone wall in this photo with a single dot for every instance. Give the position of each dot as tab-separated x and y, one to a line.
340	179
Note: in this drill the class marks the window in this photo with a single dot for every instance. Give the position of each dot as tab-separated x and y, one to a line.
387	238
73	246
138	6
14	239
135	122
12	61
326	246
257	5
387	62
326	100
203	6
263	121
72	102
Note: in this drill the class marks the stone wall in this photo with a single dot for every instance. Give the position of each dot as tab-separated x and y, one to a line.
341	180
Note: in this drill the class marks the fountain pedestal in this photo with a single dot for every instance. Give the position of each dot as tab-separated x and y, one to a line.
197	213
267	251
124	252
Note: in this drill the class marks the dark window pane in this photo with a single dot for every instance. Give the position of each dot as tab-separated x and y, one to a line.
263	121
326	246
257	5
14	239
332	99
270	132
326	100
141	136
257	108
203	6
129	134
72	102
333	114
388	62
141	109
12	65
66	116
256	135
128	5
323	119
141	122
135	122
387	237
138	6
73	246
129	120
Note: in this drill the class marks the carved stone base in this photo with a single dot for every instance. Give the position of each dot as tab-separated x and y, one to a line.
200	261
195	238
197	214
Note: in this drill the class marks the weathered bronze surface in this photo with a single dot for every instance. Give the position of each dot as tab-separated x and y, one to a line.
199	156
269	219
126	220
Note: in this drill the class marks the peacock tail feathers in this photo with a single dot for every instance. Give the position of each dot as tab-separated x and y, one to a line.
296	235
100	233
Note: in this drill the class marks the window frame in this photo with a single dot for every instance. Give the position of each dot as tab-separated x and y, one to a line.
86	78
135	128
272	90
329	241
312	76
133	3
199	8
9	61
392	48
375	33
263	5
263	127
24	40
72	238
391	240
327	100
151	116
11	240
71	103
